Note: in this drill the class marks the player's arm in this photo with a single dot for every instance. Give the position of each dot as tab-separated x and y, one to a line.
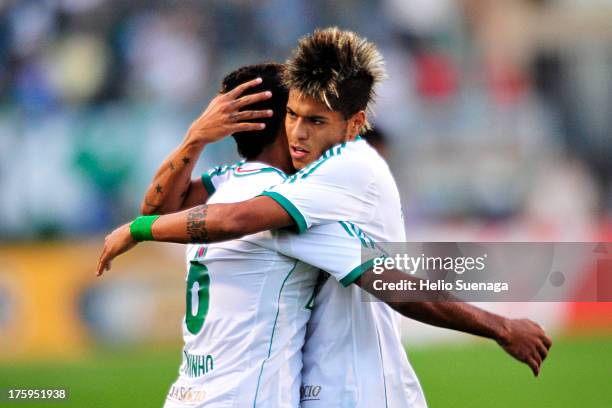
221	222
521	338
172	188
201	224
340	249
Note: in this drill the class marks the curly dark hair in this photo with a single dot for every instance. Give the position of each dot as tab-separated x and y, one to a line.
251	144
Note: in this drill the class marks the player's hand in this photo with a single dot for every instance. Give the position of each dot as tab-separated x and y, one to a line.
223	117
527	342
115	243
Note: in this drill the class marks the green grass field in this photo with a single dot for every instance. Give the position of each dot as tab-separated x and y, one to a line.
577	374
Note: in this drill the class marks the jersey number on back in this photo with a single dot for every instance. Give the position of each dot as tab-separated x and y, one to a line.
198	282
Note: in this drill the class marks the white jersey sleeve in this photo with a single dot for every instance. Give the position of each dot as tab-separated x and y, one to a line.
216	176
341	248
335	187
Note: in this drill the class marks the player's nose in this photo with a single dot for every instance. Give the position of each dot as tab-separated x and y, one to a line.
300	132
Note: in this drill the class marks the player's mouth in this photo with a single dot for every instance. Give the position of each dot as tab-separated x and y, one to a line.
298	152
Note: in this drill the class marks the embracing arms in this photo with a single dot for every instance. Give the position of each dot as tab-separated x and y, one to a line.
221	222
202	224
523	339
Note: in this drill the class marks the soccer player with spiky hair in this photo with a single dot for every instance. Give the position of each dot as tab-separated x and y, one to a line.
353	356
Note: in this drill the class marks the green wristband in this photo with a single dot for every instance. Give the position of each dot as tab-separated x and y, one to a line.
140	228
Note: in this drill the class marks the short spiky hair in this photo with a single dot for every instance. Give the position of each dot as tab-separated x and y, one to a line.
336	67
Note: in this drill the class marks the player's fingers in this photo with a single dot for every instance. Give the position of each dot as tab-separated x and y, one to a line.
542	350
247	127
537	357
535	368
100	267
237	91
104	261
547	341
250	99
251	114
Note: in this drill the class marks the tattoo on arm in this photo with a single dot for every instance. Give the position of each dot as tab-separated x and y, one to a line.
186	160
171	165
159	189
196	224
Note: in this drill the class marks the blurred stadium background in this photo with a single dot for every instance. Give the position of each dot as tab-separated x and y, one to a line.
497	123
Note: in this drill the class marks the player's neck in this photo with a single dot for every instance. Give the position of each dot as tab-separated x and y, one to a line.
277	155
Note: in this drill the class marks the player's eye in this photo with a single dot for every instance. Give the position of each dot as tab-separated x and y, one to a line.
291	113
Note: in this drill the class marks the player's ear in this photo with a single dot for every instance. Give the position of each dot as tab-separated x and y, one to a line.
356	123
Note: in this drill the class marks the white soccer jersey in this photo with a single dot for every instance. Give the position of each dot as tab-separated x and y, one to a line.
246	312
353	356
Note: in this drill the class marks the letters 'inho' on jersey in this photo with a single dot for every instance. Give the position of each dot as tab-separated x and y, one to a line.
353	356
247	305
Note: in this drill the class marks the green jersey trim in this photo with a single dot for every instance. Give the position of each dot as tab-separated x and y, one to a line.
346	228
353	275
309	169
208	184
297	216
354	231
273	330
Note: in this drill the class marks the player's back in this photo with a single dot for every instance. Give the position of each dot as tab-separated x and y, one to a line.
245	313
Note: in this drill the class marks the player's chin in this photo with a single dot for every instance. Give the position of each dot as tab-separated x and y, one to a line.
299	164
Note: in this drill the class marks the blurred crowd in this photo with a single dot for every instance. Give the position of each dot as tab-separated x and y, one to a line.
496	112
